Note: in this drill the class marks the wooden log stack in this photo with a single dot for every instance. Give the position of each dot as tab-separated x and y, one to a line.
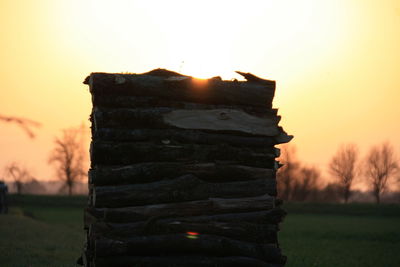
182	171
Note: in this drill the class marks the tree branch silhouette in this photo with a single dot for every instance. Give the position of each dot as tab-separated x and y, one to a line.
343	167
380	165
69	157
25	124
19	174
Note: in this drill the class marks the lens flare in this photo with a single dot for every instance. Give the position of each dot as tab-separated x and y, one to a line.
192	235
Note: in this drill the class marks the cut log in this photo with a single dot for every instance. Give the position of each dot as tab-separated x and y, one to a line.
185	188
216	120
211	206
174	136
222	120
209	91
243	231
130	118
272	216
175	244
104	153
116	101
181	261
158	171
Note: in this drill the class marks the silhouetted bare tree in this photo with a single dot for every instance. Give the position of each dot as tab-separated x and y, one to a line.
286	175
19	174
306	183
343	168
69	157
380	165
25	124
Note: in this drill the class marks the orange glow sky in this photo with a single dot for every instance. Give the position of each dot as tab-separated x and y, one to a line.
336	63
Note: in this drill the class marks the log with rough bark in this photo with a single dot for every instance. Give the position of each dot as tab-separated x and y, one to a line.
185	188
213	120
147	172
181	261
109	153
244	231
175	244
210	206
174	136
272	216
123	101
211	91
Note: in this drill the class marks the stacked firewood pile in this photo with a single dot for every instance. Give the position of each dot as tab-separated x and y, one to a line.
182	171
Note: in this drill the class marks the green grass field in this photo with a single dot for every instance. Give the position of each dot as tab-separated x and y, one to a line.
47	231
42	231
341	235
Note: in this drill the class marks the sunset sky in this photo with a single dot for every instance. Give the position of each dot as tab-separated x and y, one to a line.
336	63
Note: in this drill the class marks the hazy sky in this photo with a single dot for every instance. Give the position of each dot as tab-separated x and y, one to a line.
336	63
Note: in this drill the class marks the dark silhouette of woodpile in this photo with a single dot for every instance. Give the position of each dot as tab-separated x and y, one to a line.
183	171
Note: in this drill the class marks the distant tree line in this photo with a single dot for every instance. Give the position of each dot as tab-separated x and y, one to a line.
69	158
377	170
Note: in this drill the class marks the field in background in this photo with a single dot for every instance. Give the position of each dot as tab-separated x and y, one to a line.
341	235
42	231
47	231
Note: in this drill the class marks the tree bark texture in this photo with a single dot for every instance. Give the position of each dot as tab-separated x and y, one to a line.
134	102
110	153
213	120
148	172
177	136
272	216
244	231
181	189
181	261
211	206
175	244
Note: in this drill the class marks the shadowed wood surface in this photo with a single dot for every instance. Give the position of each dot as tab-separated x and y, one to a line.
191	90
210	206
272	216
244	231
213	120
184	188
176	136
146	172
109	153
171	244
181	261
183	171
124	101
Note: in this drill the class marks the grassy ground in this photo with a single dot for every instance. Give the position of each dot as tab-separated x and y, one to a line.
47	231
42	231
341	235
